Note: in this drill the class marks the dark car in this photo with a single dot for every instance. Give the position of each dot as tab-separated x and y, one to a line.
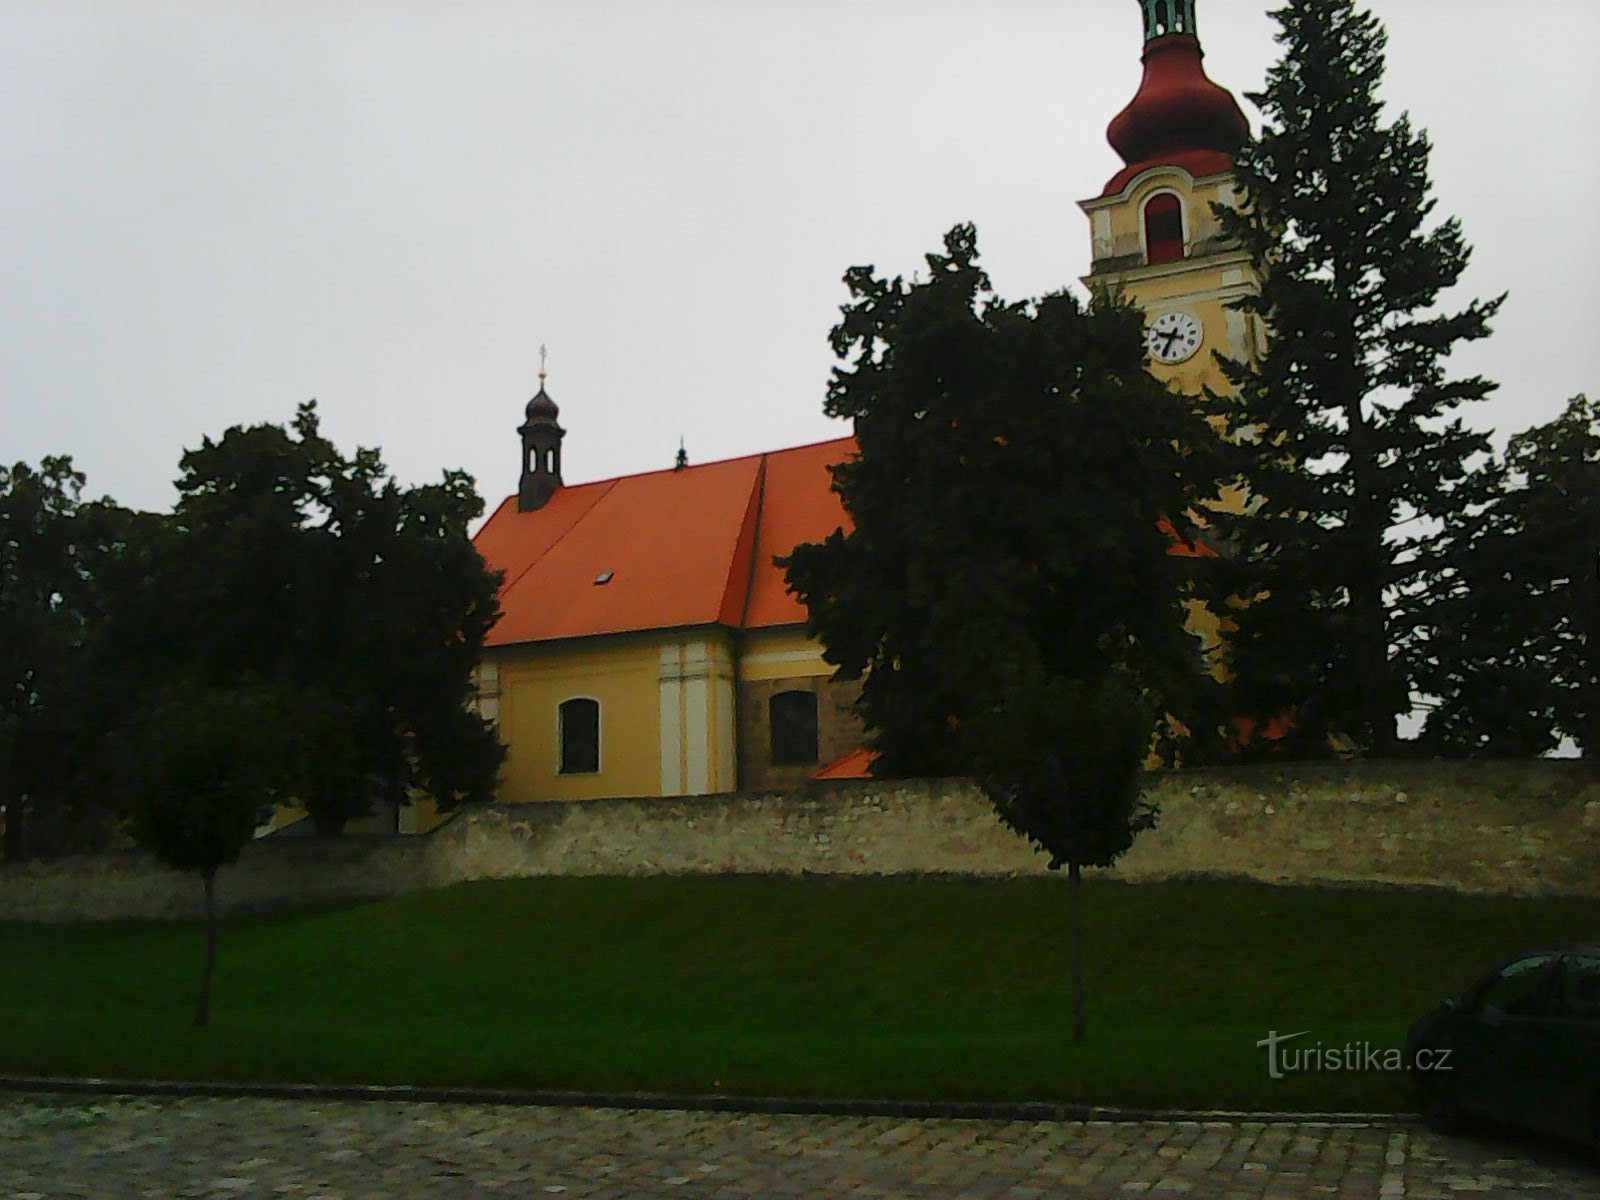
1522	1047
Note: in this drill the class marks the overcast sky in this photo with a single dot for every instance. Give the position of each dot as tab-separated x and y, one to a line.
212	211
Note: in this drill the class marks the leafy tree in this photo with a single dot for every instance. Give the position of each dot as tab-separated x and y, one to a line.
317	575
55	555
1349	426
210	764
1514	651
37	629
1006	585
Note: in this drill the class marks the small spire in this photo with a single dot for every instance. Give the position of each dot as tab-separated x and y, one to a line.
541	435
683	457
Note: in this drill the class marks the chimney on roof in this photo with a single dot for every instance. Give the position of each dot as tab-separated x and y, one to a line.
541	448
683	457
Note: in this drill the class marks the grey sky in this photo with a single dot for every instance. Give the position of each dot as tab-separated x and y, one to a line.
213	211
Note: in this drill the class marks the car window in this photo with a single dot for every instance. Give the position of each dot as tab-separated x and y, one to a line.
1576	994
1515	990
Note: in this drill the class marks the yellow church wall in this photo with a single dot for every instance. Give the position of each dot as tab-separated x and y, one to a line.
533	681
667	713
785	653
698	712
421	815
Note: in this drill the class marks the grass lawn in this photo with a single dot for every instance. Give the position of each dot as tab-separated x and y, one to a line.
924	988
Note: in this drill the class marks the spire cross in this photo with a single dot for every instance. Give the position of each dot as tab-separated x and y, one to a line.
541	364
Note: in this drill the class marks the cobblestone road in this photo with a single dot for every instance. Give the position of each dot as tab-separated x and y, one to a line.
248	1147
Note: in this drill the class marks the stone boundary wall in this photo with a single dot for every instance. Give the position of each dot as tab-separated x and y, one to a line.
272	873
1509	828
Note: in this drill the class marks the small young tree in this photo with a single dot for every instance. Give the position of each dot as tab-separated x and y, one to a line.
1349	425
1006	585
1062	760
206	767
1513	653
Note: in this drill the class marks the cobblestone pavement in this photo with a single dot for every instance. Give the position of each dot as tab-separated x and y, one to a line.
275	1148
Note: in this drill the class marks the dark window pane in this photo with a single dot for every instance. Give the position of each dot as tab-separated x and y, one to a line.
1515	991
793	716
1577	989
580	736
1163	228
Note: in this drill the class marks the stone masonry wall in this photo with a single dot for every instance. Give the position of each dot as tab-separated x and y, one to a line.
1514	828
272	873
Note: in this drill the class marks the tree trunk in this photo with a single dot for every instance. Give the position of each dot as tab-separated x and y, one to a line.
1588	581
1075	886
12	786
1377	672
202	1013
1368	521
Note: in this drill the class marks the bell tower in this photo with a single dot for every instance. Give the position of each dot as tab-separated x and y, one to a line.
541	448
1154	237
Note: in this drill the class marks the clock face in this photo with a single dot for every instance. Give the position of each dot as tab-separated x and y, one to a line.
1173	336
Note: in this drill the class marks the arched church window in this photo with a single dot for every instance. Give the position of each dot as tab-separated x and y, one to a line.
579	721
793	720
1163	228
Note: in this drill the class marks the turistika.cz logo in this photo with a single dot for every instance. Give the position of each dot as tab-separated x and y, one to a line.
1350	1056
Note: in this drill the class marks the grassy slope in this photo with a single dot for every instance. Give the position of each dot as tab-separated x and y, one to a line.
928	988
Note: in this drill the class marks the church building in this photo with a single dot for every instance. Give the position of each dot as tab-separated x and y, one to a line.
649	646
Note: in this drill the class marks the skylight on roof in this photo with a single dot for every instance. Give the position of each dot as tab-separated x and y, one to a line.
603	577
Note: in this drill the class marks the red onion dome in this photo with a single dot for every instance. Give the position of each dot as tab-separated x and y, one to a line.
1179	117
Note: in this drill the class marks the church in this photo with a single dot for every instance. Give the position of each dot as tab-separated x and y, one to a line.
648	645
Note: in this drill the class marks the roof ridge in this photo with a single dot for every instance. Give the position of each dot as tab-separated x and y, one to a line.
755	543
763	455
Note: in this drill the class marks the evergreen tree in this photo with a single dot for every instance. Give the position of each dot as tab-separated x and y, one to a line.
1353	445
1513	655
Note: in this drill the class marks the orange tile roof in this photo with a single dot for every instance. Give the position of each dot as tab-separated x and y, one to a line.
684	547
1182	547
857	764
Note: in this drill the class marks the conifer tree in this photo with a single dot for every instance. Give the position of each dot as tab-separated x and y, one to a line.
1354	449
1513	651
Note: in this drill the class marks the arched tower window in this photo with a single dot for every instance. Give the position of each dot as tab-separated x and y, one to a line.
1162	17
579	721
793	720
1163	228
